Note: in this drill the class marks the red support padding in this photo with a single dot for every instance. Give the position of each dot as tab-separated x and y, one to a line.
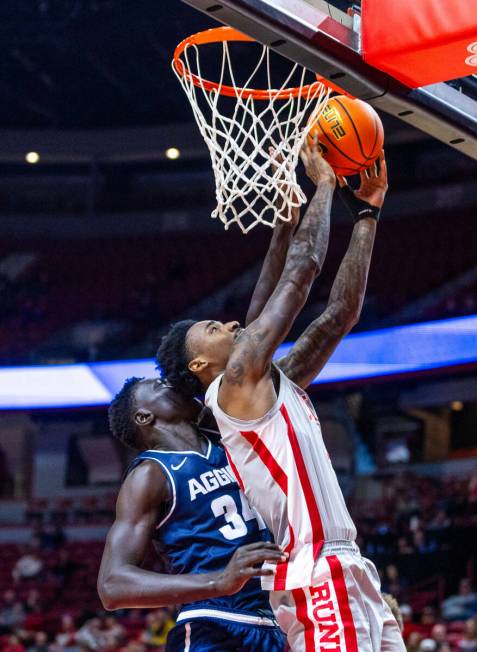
421	42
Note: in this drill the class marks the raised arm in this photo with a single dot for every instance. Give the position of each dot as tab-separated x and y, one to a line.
251	356
274	261
315	346
122	583
271	271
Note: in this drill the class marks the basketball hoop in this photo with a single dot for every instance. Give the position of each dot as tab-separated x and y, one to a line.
251	185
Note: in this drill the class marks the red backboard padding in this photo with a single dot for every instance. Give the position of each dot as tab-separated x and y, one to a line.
421	42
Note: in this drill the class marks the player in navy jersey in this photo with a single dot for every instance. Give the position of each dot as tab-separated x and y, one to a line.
179	492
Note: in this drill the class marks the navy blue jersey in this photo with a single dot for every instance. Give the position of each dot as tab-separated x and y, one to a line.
207	519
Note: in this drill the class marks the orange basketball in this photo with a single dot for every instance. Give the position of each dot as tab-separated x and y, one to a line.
350	134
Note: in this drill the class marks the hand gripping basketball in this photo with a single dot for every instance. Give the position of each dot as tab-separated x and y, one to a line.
368	200
350	134
317	168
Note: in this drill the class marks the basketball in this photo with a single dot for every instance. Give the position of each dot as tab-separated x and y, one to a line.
350	134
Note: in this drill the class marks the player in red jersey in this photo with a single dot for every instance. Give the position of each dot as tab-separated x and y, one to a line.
325	596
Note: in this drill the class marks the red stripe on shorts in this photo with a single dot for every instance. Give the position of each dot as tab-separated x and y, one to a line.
313	511
282	567
280	477
302	615
341	591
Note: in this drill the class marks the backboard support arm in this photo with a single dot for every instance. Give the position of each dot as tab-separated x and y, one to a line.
325	42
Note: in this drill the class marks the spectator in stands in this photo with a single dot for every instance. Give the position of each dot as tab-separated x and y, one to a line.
14	645
64	568
8	600
413	642
468	643
159	623
134	646
439	635
406	615
461	606
438	530
134	619
428	620
403	547
391	581
11	617
40	644
421	545
383	538
428	645
28	567
89	636
112	632
66	637
33	603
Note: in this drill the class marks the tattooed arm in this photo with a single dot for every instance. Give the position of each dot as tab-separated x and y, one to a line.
271	271
315	346
274	262
247	390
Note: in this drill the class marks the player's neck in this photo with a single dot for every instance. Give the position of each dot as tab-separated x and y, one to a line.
184	437
208	377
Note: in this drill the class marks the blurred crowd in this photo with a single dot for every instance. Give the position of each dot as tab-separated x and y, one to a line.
418	514
51	604
421	534
451	627
129	631
439	630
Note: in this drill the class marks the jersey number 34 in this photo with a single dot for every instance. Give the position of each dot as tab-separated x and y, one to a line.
236	523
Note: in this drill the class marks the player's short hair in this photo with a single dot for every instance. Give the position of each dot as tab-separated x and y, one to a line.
392	603
120	413
172	359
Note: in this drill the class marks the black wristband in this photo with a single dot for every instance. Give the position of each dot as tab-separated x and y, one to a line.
358	208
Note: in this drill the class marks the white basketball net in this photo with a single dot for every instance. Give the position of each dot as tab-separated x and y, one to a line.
251	186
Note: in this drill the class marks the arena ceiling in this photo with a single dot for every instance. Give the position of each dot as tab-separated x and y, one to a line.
72	69
93	63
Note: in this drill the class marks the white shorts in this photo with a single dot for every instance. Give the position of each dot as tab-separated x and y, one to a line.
342	611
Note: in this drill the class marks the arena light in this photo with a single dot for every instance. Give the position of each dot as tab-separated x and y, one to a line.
32	157
386	353
173	153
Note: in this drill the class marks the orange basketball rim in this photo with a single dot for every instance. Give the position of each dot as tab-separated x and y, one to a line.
227	35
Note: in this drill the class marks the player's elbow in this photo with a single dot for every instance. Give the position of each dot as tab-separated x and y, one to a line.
349	318
354	310
304	262
344	317
314	265
108	593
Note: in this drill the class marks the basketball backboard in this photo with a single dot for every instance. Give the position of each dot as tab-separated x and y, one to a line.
325	39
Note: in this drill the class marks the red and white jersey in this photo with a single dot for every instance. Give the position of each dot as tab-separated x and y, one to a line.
282	465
